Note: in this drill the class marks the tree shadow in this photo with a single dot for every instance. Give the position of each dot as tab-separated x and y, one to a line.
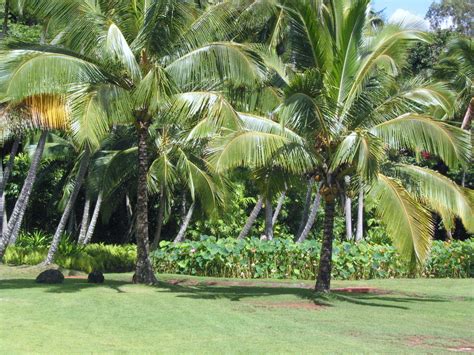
202	291
387	300
238	293
68	286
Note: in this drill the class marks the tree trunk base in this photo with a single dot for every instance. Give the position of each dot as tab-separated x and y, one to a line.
323	281
144	273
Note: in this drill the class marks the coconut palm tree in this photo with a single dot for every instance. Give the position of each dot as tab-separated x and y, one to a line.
345	108
124	62
179	165
43	111
457	67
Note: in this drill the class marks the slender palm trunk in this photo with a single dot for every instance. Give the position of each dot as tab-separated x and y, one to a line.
184	226
68	209
144	270
281	200
323	282
5	17
467	117
130	219
348	216
307	203
465	125
311	218
22	201
85	221
5	218
9	166
268	218
95	216
360	216
2	200
4	176
348	210
252	218
159	223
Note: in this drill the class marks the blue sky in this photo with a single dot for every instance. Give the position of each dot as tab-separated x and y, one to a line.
416	7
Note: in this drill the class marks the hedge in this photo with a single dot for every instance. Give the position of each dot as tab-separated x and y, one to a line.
105	258
282	258
252	258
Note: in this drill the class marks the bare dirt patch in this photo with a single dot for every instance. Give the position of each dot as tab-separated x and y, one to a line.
455	345
288	304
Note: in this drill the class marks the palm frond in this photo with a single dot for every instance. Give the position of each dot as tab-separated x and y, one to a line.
421	133
361	150
119	49
440	193
407	222
214	63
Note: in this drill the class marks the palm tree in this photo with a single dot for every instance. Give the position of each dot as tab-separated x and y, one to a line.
345	108
124	62
457	66
180	164
43	111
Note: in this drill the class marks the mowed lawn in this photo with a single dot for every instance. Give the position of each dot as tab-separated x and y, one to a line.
200	315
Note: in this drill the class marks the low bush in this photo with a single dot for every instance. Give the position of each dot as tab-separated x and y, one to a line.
282	258
253	258
101	257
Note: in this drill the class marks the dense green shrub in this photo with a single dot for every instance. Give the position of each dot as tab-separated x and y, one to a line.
282	258
105	258
252	258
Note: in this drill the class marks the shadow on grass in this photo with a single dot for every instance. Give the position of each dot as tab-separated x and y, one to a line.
69	285
234	293
237	293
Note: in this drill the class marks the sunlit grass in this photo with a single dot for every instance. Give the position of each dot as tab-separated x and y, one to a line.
416	315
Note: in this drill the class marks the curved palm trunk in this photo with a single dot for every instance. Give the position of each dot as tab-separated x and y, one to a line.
16	231
323	282
4	176
85	221
95	216
22	201
307	203
9	166
465	125
144	270
252	218
311	218
360	216
467	117
281	200
5	218
159	224
268	219
184	226
69	207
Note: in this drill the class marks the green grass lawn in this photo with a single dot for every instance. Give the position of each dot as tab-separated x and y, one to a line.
200	316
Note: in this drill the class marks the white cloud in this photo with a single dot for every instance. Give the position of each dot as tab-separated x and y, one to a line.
408	18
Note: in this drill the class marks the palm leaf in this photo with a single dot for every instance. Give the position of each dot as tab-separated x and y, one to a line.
440	193
407	222
421	133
